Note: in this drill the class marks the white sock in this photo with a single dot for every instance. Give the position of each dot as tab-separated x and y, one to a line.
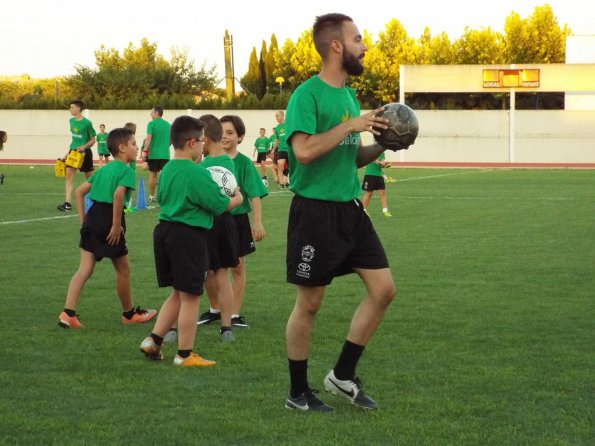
235	315
214	310
384	209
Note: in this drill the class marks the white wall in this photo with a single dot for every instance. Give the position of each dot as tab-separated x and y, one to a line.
553	136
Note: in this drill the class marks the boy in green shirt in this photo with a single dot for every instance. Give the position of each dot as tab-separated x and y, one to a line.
103	228
261	145
374	180
273	154
282	149
329	234
253	190
102	146
83	138
188	198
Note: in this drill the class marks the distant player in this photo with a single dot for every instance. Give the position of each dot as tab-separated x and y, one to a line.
374	180
274	155
102	146
103	228
261	146
83	138
282	158
156	147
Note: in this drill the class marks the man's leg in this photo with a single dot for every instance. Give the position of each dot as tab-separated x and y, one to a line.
152	183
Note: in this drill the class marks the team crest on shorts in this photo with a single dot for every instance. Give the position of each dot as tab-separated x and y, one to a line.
307	253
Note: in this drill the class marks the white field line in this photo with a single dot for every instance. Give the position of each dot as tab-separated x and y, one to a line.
57	217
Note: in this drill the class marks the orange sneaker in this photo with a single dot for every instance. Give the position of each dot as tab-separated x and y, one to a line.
66	321
139	316
150	349
194	360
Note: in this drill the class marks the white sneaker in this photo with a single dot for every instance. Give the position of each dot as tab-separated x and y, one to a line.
152	199
351	390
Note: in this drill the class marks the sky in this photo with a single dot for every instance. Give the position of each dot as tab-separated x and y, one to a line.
48	38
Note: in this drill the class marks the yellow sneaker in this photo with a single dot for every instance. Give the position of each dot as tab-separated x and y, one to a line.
194	360
387	214
66	321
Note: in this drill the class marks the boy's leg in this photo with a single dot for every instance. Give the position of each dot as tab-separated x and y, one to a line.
123	289
168	314
187	316
152	183
383	202
213	313
366	198
68	186
224	295
238	274
79	279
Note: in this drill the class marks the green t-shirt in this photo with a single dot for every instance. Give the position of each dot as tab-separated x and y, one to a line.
281	134
106	180
272	140
262	144
221	160
81	131
374	168
249	182
159	129
102	144
187	194
316	107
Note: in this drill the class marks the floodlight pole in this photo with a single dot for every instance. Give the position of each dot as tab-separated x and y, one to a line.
402	100
511	129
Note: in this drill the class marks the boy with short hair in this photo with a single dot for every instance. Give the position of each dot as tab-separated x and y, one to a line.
102	146
103	228
253	190
261	146
374	180
156	147
222	239
83	138
188	199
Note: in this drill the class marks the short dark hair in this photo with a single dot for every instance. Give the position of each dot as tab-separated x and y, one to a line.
213	128
183	128
328	27
158	110
131	126
116	137
237	122
78	103
2	135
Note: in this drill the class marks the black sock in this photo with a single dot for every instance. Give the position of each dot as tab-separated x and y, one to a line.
70	313
345	367
158	339
184	353
224	329
298	375
128	314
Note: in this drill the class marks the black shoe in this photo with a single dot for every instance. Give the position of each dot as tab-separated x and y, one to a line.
239	321
350	390
1	178
66	206
307	401
207	317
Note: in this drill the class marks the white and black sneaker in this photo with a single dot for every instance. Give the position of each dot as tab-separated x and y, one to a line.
66	206
307	402
349	389
238	321
207	317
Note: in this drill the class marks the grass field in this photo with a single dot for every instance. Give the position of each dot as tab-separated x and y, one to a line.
491	340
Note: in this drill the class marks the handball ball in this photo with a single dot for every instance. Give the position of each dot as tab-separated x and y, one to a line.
402	127
225	180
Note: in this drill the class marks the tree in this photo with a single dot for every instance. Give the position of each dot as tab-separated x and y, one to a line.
270	63
251	79
482	46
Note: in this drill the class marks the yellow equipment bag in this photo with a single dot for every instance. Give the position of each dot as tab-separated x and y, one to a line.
60	168
75	159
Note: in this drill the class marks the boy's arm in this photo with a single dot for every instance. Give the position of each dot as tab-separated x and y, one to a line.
88	145
235	200
257	229
79	195
116	231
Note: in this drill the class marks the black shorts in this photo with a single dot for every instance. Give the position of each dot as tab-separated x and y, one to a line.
328	239
96	228
246	243
105	155
372	182
282	156
222	242
87	162
181	258
156	165
261	157
275	154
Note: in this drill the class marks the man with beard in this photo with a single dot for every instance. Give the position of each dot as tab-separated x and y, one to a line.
329	233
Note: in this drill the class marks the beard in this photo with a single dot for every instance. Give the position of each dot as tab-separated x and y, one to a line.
352	64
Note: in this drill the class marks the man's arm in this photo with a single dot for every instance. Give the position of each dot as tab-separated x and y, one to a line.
369	153
148	140
308	148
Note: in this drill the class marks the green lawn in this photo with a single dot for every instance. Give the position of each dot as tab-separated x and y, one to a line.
490	341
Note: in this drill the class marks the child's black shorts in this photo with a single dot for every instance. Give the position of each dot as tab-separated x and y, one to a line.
261	157
156	165
327	239
222	242
95	229
181	258
373	182
246	243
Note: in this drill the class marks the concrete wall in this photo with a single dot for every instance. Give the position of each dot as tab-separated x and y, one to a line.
477	136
